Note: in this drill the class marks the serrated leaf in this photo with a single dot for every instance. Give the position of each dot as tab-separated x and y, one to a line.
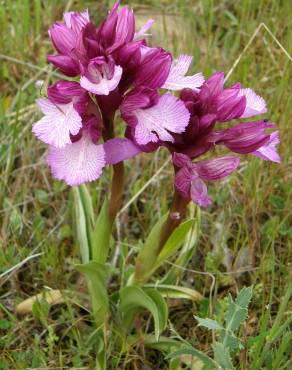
97	274
244	297
194	352
133	298
222	356
209	323
235	316
230	340
101	235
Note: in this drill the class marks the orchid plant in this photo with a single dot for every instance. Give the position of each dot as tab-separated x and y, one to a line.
111	70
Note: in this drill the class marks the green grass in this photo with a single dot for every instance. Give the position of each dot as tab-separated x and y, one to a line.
248	227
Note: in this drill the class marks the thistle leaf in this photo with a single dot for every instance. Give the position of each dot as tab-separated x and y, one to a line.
222	356
244	297
209	323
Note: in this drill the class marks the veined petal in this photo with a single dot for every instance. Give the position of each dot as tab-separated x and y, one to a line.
142	32
77	163
117	150
182	181
255	104
169	115
268	151
216	169
181	160
65	64
104	86
58	123
177	80
199	193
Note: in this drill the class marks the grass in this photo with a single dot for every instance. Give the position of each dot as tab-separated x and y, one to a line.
247	229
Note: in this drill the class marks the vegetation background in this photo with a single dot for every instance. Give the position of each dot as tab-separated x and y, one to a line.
245	238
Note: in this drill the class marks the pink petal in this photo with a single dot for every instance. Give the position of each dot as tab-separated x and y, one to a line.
181	160
59	122
255	104
105	86
199	193
182	181
216	169
142	32
168	115
117	150
177	80
77	163
268	151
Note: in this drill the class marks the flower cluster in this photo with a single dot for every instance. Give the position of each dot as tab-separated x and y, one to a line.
114	70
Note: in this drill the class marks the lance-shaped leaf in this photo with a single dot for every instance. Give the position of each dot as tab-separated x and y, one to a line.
188	350
101	235
134	297
148	253
174	241
96	274
82	230
177	292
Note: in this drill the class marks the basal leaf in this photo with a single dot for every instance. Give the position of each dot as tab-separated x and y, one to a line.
148	253
174	241
96	274
133	298
101	236
177	292
188	350
81	226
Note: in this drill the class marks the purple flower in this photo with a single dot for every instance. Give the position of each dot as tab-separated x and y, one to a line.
191	176
154	117
66	39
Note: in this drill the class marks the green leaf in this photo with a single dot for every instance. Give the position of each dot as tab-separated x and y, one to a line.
209	323
96	274
222	356
174	241
161	306
87	205
244	297
148	253
164	344
81	226
101	236
133	298
188	350
177	292
235	316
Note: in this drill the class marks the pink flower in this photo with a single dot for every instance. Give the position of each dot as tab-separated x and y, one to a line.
154	117
191	176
